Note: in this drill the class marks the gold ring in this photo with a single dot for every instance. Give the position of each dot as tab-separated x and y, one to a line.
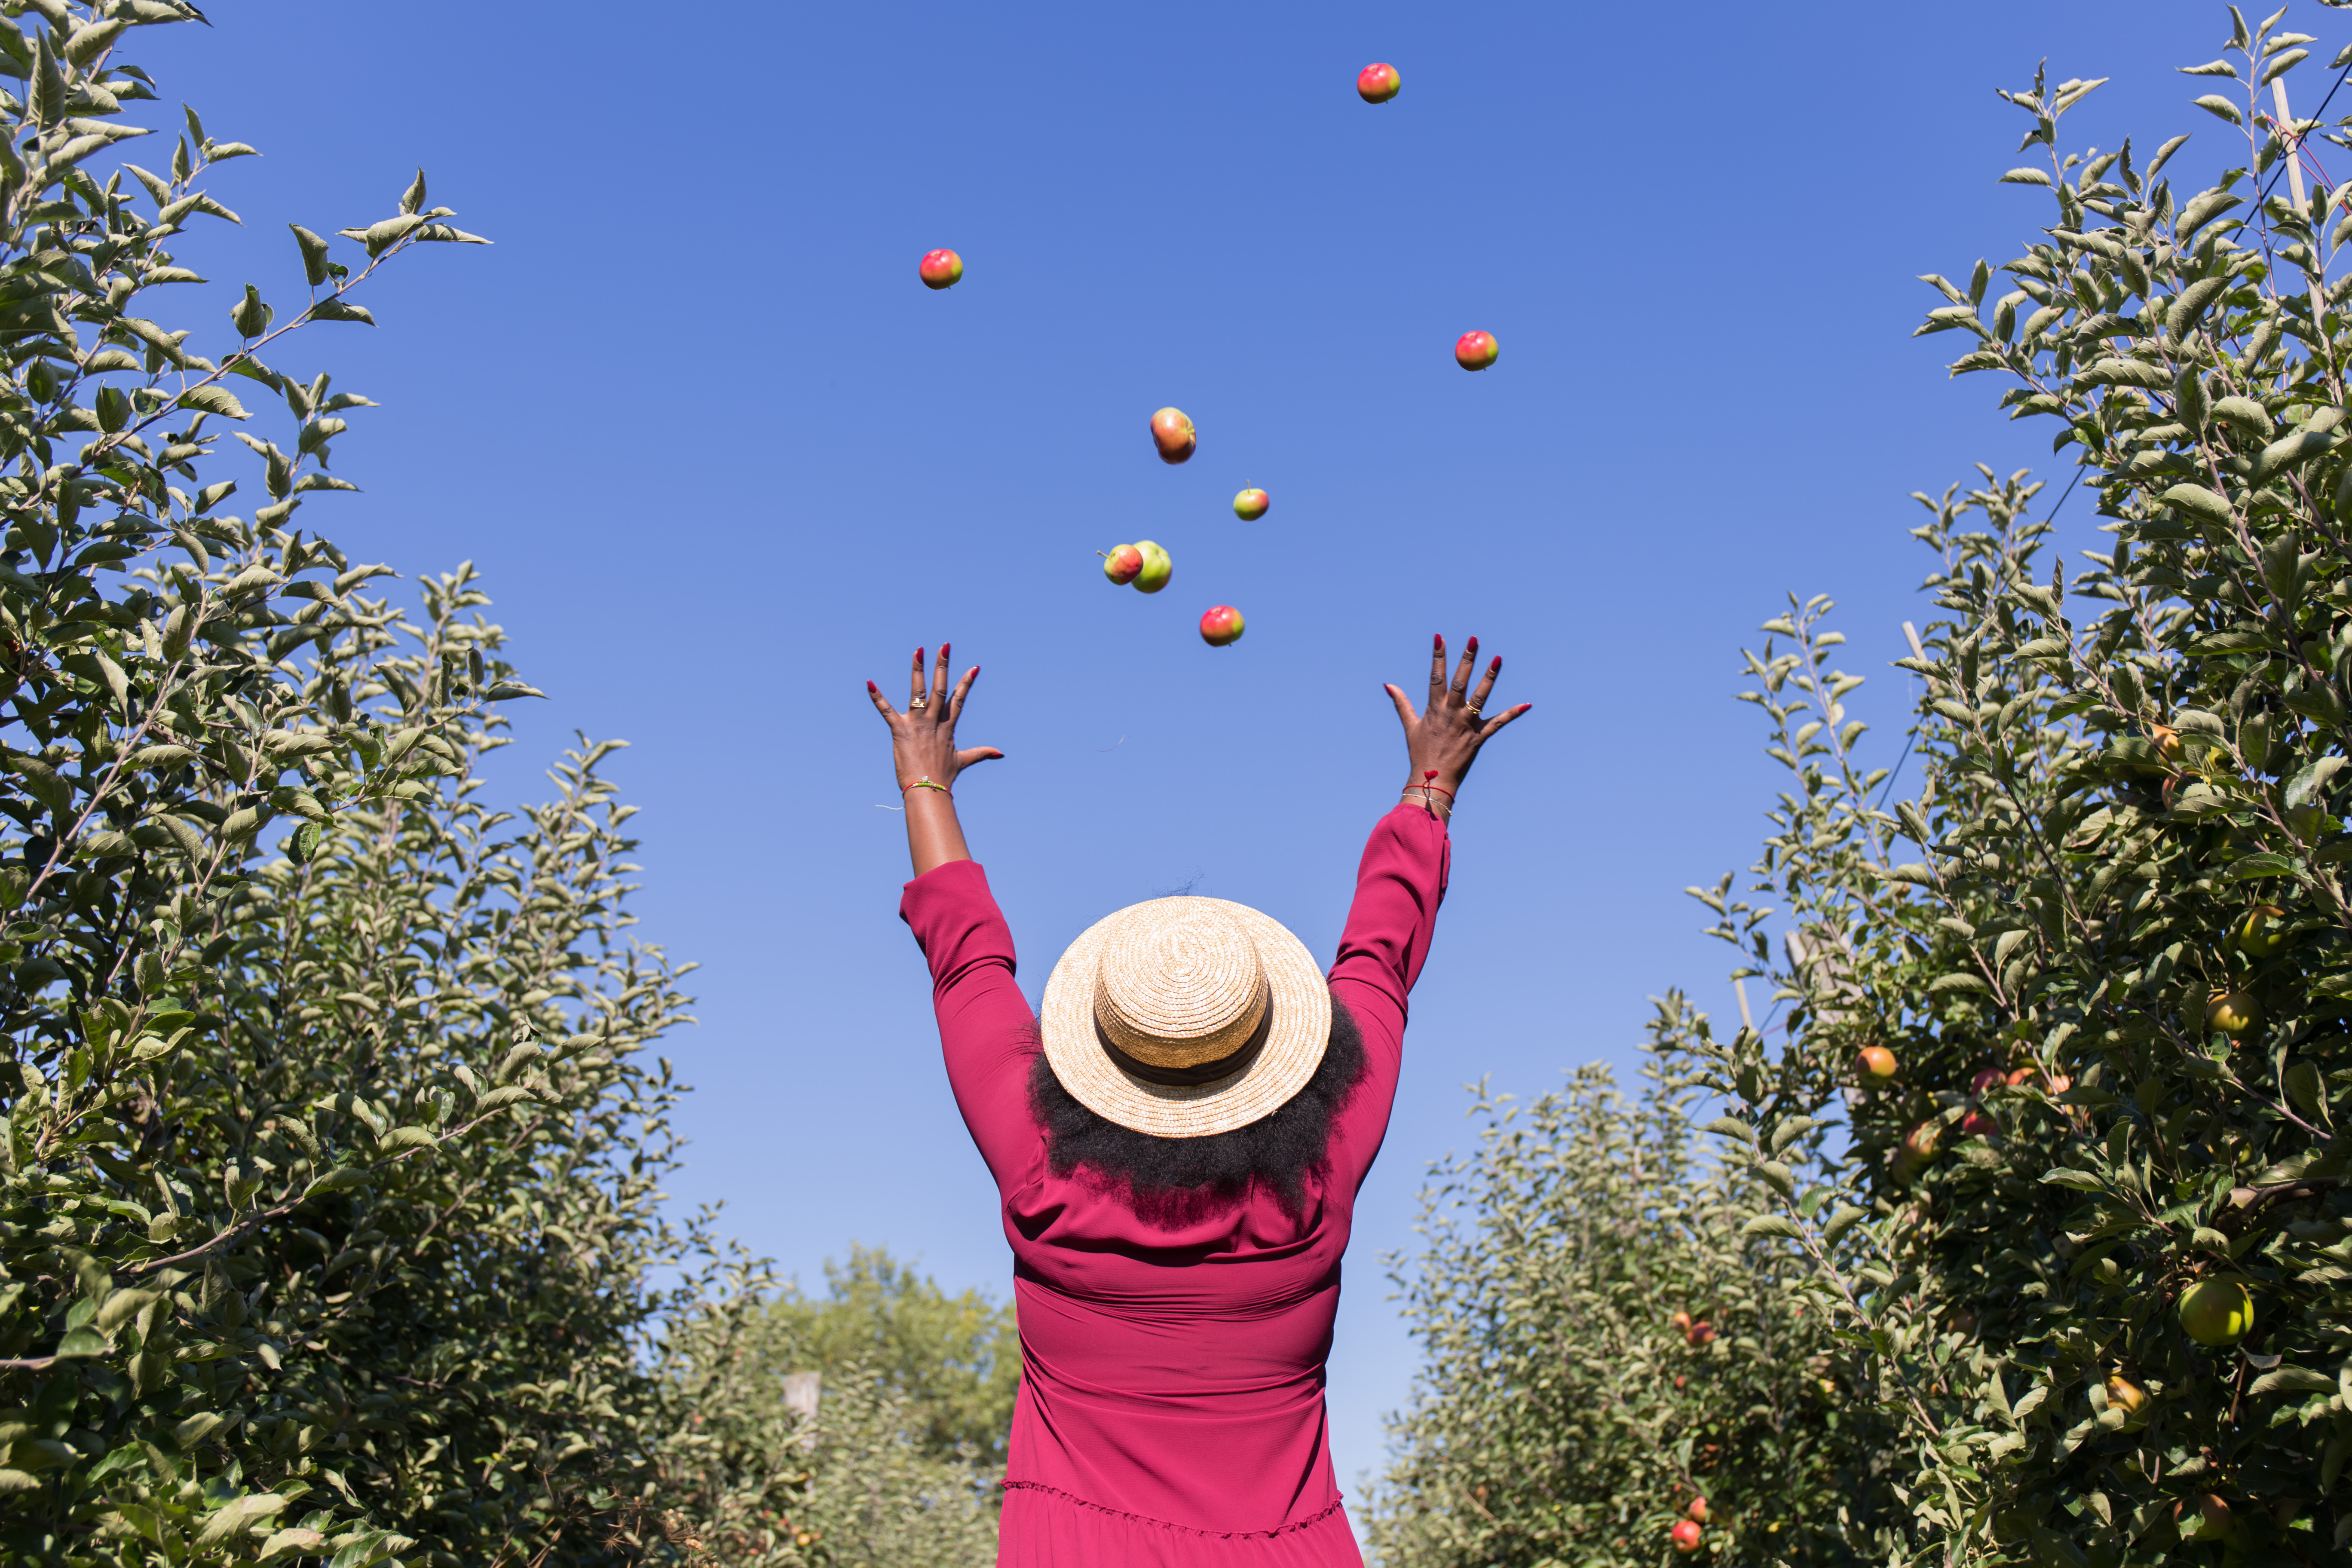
917	705
1471	709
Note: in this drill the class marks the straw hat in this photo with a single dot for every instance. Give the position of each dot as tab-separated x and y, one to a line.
1185	1016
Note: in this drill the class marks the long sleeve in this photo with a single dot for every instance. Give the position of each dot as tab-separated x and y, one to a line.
1400	882
986	1029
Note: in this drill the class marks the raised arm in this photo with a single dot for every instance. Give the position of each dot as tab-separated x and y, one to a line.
1399	883
923	749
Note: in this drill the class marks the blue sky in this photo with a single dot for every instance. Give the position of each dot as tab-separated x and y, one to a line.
722	459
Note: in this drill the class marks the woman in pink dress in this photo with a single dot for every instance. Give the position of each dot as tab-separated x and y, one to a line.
1177	1136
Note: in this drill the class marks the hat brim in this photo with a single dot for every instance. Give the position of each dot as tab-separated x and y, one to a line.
1301	1030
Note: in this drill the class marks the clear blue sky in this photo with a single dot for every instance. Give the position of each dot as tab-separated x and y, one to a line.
722	458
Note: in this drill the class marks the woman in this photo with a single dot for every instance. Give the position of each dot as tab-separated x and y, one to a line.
1177	1137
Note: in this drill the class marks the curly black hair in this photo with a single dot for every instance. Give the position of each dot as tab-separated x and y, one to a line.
1175	1182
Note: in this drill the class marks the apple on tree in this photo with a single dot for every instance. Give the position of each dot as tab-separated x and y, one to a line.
2232	1013
1378	83
1122	564
1156	567
2217	1312
2129	1398
1987	1077
1686	1535
1697	1509
1876	1065
2260	935
1476	351
940	269
1221	626
1250	504
1174	436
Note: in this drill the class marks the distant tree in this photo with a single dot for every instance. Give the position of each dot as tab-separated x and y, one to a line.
956	1359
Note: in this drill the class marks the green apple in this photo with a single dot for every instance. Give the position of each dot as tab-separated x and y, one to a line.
1156	567
2217	1312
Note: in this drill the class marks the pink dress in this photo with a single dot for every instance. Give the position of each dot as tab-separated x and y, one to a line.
1170	1410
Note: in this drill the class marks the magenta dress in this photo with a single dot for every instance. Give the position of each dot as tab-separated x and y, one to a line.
1170	1413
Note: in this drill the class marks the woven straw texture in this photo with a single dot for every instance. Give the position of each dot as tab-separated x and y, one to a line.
1174	982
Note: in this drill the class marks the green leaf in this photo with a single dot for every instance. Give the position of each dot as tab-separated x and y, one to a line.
2294	1380
2214	103
314	255
1770	1224
2081	1180
2014	178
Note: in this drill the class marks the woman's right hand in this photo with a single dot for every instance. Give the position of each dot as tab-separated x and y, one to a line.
1442	741
922	738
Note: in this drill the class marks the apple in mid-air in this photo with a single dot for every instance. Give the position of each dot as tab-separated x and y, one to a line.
1156	567
1250	505
1220	626
1476	351
1876	1064
1173	433
941	269
2217	1312
1687	1534
1122	564
1378	83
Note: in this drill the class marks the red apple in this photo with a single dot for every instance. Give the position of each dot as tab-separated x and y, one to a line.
1173	434
1378	83
1697	1509
1987	1077
1977	1124
1123	564
1875	1064
1476	351
1156	568
2021	1078
1220	626
1250	505
1700	1333
941	269
1681	1323
1686	1535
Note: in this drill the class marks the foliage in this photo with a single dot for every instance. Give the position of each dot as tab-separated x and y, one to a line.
956	1359
329	1174
1560	1415
748	1481
2112	1087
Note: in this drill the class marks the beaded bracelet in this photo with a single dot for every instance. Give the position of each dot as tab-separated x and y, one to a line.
1424	784
925	782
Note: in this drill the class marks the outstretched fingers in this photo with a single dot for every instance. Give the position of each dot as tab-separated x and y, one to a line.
963	690
1436	671
940	681
1494	726
1404	709
977	755
915	692
1462	671
1485	684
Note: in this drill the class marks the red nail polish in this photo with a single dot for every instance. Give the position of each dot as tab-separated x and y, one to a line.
871	686
943	650
1497	665
1437	641
1470	646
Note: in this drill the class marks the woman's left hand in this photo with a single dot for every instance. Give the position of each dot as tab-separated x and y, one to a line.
922	738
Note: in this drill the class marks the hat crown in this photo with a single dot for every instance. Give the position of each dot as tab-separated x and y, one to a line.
1180	983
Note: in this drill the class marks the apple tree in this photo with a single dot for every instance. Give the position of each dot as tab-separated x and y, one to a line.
1601	1346
2103	927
